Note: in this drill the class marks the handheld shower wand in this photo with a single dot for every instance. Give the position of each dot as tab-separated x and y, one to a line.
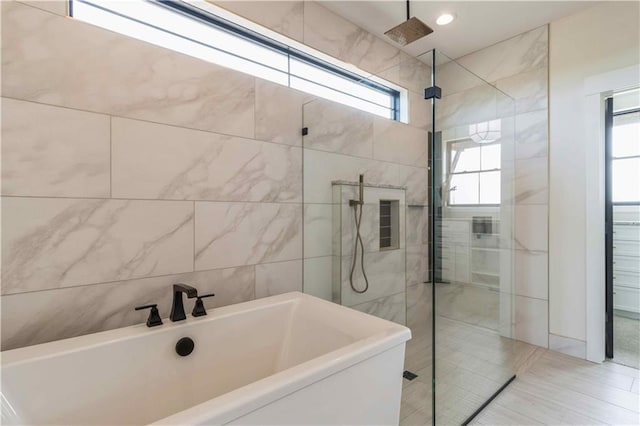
358	219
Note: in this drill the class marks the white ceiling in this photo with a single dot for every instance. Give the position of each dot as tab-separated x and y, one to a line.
478	24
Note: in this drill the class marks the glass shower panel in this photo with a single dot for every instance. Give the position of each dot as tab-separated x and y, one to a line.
473	157
368	248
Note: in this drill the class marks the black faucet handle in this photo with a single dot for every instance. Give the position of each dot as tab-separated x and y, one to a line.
198	309
154	316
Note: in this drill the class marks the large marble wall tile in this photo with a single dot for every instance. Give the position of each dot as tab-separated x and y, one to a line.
532	134
469	107
51	243
399	143
529	89
322	168
136	79
385	271
164	162
318	277
532	225
392	308
318	230
370	221
453	78
335	36
54	152
516	55
532	274
338	128
279	277
419	307
70	312
566	345
279	113
419	111
234	234
417	264
532	321
284	17
414	74
59	7
417	226
531	181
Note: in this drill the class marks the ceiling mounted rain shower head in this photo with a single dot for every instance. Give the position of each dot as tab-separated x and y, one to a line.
409	31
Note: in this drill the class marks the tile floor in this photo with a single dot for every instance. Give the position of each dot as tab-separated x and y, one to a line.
551	388
626	340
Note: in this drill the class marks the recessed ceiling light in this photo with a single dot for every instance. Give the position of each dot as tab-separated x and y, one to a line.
445	18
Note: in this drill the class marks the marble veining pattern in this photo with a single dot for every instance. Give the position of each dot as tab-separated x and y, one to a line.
284	17
317	276
344	40
385	271
417	264
399	143
61	62
322	168
163	162
234	234
59	7
278	278
338	128
49	243
391	308
414	74
531	182
532	223
529	89
279	113
531	134
318	230
89	309
516	55
65	155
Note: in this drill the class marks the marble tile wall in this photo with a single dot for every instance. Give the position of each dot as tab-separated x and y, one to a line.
127	167
341	144
385	268
518	67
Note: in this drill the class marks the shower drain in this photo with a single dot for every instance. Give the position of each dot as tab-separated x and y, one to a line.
409	375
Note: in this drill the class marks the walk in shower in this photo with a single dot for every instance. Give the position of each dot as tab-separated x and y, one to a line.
436	229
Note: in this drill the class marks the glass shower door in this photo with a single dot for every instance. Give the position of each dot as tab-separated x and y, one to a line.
370	253
473	220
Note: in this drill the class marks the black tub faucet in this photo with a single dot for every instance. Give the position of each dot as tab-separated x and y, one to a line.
177	308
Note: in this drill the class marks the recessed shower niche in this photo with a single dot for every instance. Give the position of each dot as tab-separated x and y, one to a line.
369	258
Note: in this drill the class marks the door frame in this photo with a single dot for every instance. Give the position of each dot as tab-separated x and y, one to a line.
596	89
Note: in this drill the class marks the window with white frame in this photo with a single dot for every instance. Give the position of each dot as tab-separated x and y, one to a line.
473	173
198	29
625	148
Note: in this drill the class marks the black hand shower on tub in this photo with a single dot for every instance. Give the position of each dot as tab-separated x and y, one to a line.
358	219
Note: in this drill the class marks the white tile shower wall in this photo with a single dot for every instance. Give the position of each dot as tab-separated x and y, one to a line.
127	167
519	67
385	268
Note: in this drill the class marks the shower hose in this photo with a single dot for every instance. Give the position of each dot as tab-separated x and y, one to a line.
358	220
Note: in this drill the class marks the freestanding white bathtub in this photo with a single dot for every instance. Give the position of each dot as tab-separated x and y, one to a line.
283	360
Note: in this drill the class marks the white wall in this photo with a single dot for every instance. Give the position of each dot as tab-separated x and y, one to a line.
602	38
